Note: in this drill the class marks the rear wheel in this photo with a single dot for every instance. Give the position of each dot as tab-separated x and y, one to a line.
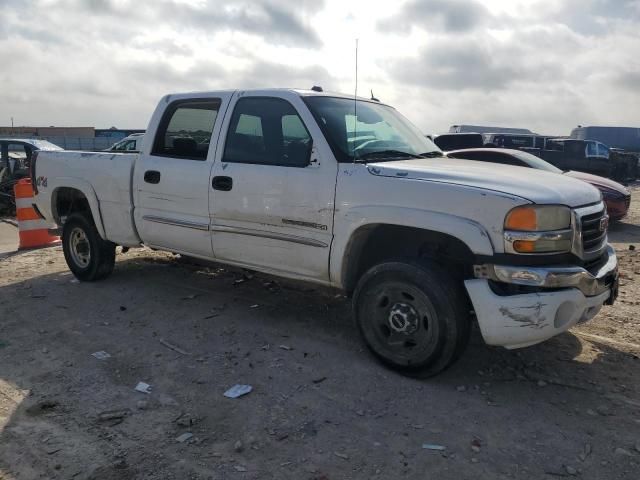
88	256
412	316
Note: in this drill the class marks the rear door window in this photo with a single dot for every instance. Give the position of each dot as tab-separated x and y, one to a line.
185	129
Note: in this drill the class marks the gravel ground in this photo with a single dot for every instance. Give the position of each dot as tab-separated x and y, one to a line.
321	408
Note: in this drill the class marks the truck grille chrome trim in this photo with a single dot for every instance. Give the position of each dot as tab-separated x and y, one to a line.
590	238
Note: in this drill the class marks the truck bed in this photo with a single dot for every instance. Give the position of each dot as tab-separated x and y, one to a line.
103	178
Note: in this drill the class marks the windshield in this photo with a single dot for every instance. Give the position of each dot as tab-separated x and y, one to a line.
378	132
535	162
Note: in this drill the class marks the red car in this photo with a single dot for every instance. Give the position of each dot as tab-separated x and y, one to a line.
616	196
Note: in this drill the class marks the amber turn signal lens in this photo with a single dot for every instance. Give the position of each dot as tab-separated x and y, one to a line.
523	218
524	246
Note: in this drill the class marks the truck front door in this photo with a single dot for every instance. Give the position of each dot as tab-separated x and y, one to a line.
172	175
273	188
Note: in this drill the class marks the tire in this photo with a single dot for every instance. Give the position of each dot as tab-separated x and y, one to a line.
88	256
412	316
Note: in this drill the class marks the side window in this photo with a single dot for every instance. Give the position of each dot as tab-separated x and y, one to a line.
267	131
603	151
185	129
592	151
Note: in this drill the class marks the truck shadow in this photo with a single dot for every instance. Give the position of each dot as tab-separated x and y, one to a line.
192	331
623	232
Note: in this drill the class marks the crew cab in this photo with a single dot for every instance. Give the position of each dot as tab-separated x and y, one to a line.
347	193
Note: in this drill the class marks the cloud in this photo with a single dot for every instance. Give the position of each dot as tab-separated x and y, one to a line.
442	15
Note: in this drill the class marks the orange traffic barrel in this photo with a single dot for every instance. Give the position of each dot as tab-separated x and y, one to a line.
33	229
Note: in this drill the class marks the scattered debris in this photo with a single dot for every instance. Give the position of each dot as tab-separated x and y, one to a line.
240	468
191	297
75	280
238	391
143	387
433	446
142	404
186	420
542	383
171	346
341	455
285	347
461	388
123	308
570	470
110	415
101	355
254	306
184	437
475	445
41	407
38	296
586	451
238	446
623	451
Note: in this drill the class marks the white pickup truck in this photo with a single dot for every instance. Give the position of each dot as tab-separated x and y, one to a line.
345	193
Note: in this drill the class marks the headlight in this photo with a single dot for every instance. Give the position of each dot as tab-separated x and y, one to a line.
538	229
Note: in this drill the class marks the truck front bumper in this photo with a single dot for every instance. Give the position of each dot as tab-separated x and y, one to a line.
563	297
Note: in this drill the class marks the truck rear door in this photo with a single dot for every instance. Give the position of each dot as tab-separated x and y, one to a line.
172	174
273	187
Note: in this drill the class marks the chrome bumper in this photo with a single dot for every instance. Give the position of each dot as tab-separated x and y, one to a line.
589	283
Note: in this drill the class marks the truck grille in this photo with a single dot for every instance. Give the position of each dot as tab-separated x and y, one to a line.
593	228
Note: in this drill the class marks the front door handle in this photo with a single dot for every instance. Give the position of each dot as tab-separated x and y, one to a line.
152	176
222	183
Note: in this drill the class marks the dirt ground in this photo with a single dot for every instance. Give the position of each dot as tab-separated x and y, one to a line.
321	408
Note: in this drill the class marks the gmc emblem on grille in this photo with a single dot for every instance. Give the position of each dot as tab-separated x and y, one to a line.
604	223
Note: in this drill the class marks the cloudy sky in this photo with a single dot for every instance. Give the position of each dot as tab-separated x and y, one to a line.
547	65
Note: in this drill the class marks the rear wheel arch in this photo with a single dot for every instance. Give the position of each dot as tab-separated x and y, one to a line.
66	201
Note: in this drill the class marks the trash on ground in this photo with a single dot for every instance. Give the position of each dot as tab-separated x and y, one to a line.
143	387
254	306
341	455
101	355
191	297
433	446
113	415
171	346
184	437
319	380
240	468
238	391
285	347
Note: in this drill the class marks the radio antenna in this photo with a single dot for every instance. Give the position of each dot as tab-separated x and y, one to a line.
355	108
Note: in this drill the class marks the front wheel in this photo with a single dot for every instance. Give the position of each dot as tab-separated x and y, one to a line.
88	256
412	316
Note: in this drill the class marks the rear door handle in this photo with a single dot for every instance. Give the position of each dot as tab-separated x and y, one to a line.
152	176
222	183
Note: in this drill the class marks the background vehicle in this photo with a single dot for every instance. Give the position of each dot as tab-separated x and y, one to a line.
132	143
15	157
304	185
616	196
455	141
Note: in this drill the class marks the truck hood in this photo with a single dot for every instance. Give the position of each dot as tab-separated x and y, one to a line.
536	186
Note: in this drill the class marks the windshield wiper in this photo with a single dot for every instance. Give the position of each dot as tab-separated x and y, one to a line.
432	154
387	155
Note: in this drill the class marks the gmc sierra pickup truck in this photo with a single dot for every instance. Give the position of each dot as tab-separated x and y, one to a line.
346	193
